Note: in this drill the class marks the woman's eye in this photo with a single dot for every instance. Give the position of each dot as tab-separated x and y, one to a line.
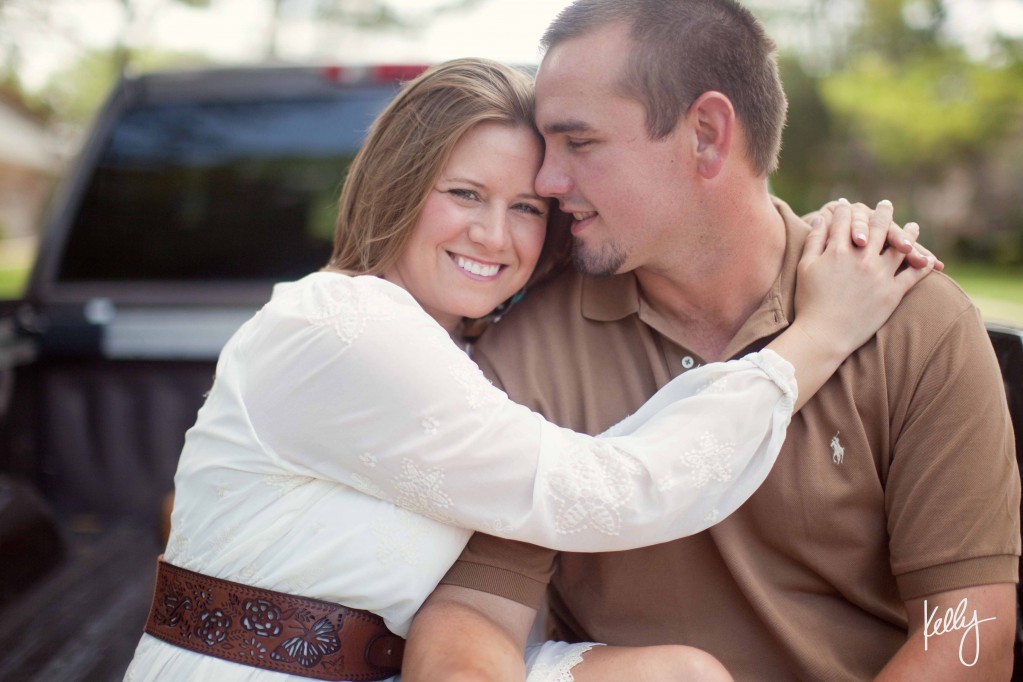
467	194
530	209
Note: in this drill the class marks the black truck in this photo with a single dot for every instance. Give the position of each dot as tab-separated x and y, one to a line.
195	193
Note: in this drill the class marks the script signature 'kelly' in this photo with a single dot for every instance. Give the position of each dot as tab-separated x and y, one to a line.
952	621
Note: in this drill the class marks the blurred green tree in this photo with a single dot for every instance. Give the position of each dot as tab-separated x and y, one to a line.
134	13
921	113
901	110
24	20
914	98
364	14
81	86
78	90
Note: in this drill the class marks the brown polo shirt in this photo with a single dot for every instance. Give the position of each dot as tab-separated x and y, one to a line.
897	480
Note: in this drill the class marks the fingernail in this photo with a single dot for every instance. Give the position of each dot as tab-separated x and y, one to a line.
816	221
906	242
885	202
843	200
860	237
930	261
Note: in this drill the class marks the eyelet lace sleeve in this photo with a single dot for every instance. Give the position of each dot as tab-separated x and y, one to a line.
343	371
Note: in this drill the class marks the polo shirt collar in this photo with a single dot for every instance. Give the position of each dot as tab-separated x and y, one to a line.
608	299
778	309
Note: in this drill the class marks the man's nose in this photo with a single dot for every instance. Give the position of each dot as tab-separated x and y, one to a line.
551	180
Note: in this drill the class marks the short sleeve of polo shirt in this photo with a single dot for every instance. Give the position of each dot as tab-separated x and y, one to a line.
952	493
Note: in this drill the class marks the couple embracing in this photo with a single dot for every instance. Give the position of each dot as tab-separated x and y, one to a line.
722	348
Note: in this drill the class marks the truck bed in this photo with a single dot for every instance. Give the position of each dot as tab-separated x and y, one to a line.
82	621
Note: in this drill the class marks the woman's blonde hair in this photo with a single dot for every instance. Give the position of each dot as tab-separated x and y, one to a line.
407	148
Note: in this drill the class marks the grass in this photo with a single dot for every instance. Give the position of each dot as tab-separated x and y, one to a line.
12	282
16	256
997	290
990	281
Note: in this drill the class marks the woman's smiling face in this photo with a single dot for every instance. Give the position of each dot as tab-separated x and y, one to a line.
482	227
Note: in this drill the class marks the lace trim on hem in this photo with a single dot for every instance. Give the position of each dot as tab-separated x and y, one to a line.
561	670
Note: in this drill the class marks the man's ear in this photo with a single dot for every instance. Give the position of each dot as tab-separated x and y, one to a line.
712	118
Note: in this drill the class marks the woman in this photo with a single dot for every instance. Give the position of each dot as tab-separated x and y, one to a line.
348	448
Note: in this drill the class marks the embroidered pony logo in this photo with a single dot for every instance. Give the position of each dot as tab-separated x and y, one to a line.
837	451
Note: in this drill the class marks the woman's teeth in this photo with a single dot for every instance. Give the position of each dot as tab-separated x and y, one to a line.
476	268
584	216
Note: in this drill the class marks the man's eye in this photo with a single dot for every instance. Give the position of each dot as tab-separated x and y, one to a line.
577	144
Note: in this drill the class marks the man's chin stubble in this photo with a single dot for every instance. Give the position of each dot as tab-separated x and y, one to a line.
604	262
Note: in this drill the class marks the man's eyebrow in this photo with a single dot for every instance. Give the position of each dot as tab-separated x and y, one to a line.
569	126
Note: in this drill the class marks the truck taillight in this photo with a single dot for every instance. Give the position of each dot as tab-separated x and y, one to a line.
333	73
383	73
397	72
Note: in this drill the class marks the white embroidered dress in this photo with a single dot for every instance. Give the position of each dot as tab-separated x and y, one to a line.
348	449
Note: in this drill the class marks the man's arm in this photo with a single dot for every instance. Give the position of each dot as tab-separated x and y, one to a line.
461	634
952	491
968	635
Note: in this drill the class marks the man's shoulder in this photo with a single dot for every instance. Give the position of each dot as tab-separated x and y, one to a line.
934	305
938	289
935	320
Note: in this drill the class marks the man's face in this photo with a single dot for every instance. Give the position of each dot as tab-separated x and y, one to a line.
625	191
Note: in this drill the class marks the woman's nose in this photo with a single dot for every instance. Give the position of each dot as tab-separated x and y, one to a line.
490	230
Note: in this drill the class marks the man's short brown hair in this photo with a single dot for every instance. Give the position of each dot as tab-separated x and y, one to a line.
684	48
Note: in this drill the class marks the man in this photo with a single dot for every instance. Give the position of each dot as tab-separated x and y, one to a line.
885	542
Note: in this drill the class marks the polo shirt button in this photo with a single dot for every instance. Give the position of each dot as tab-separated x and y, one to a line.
687	362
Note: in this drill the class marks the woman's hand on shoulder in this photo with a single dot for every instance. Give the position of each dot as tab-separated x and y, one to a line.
902	239
849	280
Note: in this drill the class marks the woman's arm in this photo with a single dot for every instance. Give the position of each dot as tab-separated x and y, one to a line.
352	382
375	396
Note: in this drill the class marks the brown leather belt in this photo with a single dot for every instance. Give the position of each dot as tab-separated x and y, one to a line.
271	630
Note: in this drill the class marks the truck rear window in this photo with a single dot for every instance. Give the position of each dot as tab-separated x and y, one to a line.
218	191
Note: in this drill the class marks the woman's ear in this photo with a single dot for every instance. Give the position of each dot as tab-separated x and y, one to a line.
712	118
